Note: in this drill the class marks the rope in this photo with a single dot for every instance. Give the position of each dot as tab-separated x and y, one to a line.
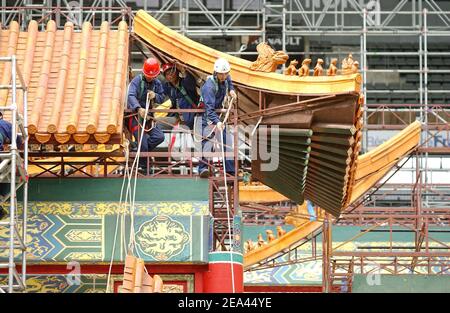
127	154
230	105
129	194
134	168
228	211
228	101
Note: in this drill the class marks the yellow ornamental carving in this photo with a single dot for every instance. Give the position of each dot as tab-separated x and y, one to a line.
162	238
103	209
268	59
89	209
75	235
45	284
84	256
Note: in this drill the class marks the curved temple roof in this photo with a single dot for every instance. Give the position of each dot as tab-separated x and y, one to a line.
202	58
370	168
76	80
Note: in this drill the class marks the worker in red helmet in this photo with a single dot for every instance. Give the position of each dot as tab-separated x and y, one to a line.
181	89
146	86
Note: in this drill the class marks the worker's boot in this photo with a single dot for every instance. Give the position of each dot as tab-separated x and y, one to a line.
204	173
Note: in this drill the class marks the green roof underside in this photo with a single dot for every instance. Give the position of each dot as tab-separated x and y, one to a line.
108	189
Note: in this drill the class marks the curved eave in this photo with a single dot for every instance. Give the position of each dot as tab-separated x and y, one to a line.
374	165
201	57
279	244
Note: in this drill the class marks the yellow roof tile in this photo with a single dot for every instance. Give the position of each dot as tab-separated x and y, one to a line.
77	81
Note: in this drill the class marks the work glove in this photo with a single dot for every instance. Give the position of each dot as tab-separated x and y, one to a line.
141	112
233	95
151	95
220	126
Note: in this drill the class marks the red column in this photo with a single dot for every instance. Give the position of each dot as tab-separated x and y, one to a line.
224	269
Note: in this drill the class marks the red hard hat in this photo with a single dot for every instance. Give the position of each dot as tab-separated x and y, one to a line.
167	66
151	68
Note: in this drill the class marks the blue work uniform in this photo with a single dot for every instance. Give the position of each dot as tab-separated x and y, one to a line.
6	134
137	96
183	96
213	93
5	138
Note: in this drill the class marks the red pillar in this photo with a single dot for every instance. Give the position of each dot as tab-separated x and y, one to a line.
224	269
198	282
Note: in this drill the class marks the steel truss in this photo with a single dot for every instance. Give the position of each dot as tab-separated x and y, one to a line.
13	176
218	20
425	216
62	11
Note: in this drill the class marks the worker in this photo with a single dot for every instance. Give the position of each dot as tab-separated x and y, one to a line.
6	134
5	138
142	86
181	89
212	95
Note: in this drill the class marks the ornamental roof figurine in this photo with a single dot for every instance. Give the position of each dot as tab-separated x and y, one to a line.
355	67
268	60
304	70
332	69
318	70
292	68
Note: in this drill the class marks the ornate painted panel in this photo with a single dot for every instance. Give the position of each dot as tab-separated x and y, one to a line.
96	283
98	231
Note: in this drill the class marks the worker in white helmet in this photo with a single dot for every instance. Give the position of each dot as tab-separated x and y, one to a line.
212	95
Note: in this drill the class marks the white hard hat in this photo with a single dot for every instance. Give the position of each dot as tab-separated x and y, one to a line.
222	66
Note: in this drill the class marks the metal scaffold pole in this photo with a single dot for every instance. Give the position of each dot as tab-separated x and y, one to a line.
14	174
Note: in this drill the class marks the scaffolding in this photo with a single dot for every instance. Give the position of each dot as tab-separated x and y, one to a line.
13	173
62	11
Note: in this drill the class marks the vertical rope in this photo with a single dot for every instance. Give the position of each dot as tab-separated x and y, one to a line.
230	104
228	210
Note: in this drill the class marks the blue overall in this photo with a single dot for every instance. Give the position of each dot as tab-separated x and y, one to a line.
6	134
212	95
137	95
183	96
5	137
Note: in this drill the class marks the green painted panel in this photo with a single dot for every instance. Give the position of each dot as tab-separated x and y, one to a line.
401	283
62	283
224	257
94	283
161	238
108	189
